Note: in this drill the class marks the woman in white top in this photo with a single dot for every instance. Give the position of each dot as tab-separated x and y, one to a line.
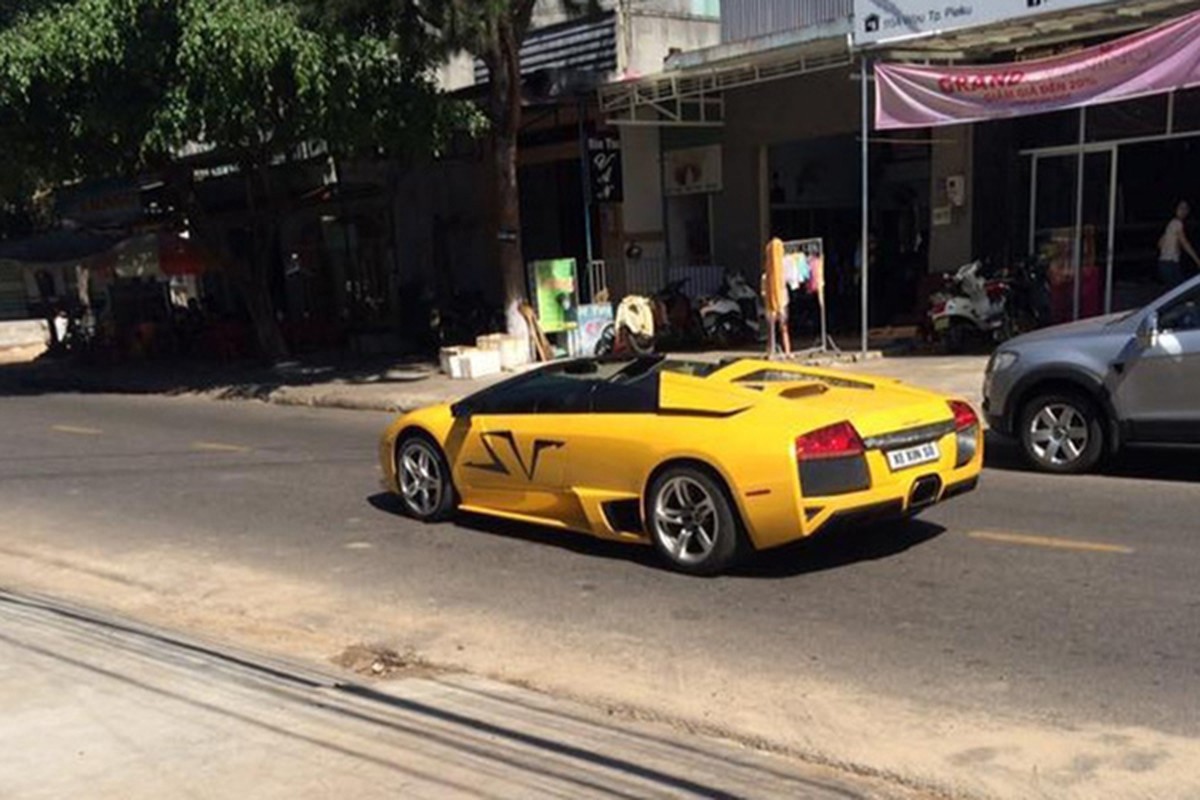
1173	241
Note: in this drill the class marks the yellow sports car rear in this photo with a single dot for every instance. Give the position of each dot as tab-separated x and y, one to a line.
703	461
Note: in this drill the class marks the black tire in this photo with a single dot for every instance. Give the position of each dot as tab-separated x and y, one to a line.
698	555
957	338
1061	433
607	342
425	504
641	345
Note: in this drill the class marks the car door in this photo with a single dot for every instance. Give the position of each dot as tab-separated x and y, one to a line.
1159	396
515	447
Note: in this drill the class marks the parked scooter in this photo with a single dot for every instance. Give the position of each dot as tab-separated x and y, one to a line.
632	329
735	315
675	320
1029	301
971	308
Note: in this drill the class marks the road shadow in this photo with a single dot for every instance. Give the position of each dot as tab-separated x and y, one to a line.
1174	464
824	551
839	548
528	532
249	380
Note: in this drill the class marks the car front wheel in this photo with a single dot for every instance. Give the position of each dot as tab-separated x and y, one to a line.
692	522
423	475
1063	433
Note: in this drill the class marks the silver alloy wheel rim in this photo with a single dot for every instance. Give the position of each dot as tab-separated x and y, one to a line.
686	521
1058	434
421	482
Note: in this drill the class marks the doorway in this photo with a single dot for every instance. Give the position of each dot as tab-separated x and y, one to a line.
1072	224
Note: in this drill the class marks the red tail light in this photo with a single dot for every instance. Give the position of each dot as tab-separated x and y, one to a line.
964	416
966	426
836	441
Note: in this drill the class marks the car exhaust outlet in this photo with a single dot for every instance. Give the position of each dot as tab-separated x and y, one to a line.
925	492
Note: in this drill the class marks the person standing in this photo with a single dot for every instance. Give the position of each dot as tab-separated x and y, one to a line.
1172	244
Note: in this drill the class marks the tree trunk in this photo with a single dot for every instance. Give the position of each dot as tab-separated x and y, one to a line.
259	304
504	66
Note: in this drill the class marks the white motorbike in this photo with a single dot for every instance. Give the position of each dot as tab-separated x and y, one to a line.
735	314
971	307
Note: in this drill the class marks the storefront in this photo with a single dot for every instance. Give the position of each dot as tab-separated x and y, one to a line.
1090	189
1140	158
1084	144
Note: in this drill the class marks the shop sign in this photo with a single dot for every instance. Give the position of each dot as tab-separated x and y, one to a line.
554	287
1162	59
604	169
694	170
878	21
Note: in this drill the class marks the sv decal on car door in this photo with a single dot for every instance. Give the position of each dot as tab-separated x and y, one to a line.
497	464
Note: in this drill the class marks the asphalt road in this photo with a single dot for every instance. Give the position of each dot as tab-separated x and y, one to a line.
1065	600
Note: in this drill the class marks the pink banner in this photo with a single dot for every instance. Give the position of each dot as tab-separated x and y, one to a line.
1158	60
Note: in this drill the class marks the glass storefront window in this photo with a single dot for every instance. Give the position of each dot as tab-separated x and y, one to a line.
1145	116
1152	178
1047	130
1187	110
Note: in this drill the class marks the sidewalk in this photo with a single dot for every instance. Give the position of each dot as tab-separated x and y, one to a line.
100	706
393	386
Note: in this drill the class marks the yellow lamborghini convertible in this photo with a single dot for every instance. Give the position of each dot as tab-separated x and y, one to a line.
701	460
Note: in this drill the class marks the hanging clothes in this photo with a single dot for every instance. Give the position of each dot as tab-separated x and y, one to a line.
816	279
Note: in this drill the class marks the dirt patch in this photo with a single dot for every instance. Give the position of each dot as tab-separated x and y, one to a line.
375	661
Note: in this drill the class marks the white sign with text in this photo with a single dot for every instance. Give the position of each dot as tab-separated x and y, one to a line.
878	21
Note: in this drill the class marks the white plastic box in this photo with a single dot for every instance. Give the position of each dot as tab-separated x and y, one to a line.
514	350
472	362
447	353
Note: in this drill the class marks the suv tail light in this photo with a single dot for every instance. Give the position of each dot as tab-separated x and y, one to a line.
966	427
836	441
832	461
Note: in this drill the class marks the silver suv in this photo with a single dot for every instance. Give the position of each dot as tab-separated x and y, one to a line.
1075	393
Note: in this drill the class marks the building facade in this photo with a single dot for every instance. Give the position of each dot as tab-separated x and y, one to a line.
779	104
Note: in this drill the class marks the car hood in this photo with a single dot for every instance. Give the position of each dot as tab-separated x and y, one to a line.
1093	326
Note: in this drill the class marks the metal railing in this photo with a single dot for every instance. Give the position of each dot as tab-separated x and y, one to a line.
646	276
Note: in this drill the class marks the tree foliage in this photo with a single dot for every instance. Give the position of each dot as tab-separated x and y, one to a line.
102	86
94	88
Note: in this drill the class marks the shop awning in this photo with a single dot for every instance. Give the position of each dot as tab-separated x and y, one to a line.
691	92
1163	59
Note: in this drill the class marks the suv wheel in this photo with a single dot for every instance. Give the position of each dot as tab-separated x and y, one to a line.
1062	432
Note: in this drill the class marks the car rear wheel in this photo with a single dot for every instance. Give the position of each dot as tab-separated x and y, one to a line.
1062	432
423	475
692	521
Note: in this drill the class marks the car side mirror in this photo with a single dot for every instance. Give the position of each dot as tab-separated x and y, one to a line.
461	410
1147	333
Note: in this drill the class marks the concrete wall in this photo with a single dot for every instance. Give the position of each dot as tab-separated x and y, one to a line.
648	37
950	246
642	209
457	73
806	107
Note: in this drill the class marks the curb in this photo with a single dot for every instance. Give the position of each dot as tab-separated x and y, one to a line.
334	398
